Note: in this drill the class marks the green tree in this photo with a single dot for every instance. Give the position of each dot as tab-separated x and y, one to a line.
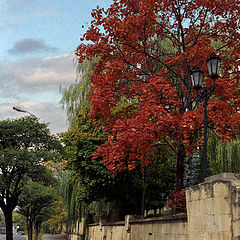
25	144
58	219
159	178
88	185
20	221
86	180
36	203
43	216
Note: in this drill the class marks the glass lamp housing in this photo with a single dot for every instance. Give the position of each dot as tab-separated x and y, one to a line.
213	64
197	77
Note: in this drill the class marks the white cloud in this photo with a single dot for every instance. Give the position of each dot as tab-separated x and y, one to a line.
50	112
38	74
33	84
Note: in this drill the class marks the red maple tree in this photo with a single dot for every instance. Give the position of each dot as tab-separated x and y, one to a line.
142	89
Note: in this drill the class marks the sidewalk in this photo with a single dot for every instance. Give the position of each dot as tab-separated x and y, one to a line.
54	237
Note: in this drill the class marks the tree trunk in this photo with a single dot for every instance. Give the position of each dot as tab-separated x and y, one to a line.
9	224
37	230
142	197
29	229
180	166
142	203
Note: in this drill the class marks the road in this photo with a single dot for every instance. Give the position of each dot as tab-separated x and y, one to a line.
44	237
15	237
53	237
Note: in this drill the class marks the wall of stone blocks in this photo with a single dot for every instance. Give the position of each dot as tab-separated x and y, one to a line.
106	232
74	236
236	212
164	228
213	208
213	213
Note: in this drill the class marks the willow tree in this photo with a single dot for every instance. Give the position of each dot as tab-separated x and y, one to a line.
223	156
74	97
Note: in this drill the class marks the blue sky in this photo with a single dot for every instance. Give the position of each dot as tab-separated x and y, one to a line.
38	38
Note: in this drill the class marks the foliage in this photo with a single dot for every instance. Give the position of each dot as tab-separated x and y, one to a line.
70	198
80	143
85	180
58	218
223	156
178	199
193	171
159	179
74	97
141	86
36	204
25	144
20	220
87	187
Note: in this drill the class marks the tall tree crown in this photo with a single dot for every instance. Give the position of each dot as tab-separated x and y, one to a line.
142	89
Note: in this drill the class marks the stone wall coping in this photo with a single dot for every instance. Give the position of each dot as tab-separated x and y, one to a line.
195	187
73	233
223	177
146	220
119	223
160	219
229	178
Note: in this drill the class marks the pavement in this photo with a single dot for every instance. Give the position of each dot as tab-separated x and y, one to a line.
44	237
54	237
15	237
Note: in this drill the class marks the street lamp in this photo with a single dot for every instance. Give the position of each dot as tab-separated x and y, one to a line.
18	109
213	64
197	77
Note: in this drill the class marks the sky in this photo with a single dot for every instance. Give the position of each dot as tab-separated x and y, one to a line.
37	43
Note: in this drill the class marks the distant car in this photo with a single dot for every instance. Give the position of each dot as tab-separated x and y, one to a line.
20	233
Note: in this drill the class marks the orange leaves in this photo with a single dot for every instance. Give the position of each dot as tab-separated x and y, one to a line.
141	83
195	55
225	117
190	121
131	140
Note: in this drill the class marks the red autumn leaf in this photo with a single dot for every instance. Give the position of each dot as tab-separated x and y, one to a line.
141	86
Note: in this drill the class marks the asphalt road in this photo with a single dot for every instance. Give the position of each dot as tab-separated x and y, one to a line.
52	237
44	237
15	237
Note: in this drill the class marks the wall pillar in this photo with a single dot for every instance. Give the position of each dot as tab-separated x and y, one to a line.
213	208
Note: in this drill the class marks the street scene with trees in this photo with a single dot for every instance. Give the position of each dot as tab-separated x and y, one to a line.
155	108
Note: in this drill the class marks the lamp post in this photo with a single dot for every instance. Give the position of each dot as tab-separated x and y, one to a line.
213	64
18	109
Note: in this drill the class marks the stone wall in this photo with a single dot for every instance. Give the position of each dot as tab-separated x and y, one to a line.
213	213
213	208
107	232
166	228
